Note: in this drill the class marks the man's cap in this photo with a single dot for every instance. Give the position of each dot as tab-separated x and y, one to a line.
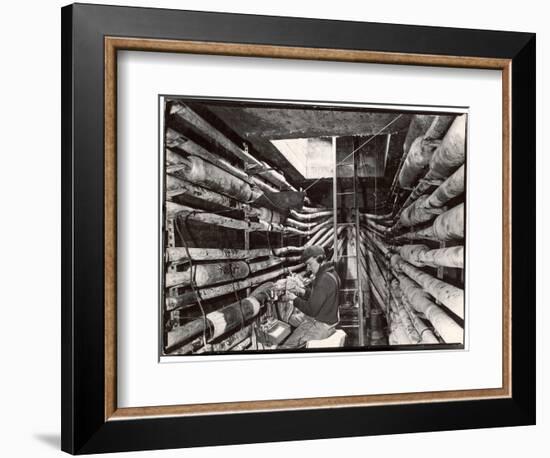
312	251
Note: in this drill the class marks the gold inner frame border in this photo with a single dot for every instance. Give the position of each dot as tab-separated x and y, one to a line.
114	44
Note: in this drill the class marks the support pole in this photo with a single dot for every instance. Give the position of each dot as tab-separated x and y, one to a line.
335	198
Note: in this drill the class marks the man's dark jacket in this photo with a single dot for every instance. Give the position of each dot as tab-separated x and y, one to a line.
321	302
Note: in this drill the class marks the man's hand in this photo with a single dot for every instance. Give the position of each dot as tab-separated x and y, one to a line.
295	285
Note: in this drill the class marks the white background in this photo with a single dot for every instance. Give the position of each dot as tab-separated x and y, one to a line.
142	381
30	233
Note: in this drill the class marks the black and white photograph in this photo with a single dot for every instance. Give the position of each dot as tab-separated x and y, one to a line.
294	226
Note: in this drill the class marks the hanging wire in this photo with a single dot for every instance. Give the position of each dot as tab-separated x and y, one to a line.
358	148
237	296
196	292
193	270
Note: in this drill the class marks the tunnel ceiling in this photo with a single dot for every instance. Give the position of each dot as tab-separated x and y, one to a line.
260	125
285	123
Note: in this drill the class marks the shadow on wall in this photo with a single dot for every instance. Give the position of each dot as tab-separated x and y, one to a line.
49	439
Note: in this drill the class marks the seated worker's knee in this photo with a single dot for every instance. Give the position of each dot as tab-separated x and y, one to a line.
336	339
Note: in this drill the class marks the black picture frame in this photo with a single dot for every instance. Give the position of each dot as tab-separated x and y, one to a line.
85	428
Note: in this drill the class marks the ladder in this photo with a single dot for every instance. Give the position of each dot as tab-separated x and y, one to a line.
348	164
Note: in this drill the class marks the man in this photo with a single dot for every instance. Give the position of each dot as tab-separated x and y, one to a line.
316	314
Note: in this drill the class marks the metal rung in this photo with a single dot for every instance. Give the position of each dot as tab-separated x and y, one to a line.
345	193
348	256
349	289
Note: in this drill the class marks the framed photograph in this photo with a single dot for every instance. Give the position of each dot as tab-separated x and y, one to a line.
270	222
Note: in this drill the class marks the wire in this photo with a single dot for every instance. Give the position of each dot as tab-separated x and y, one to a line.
237	296
267	236
358	148
193	271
